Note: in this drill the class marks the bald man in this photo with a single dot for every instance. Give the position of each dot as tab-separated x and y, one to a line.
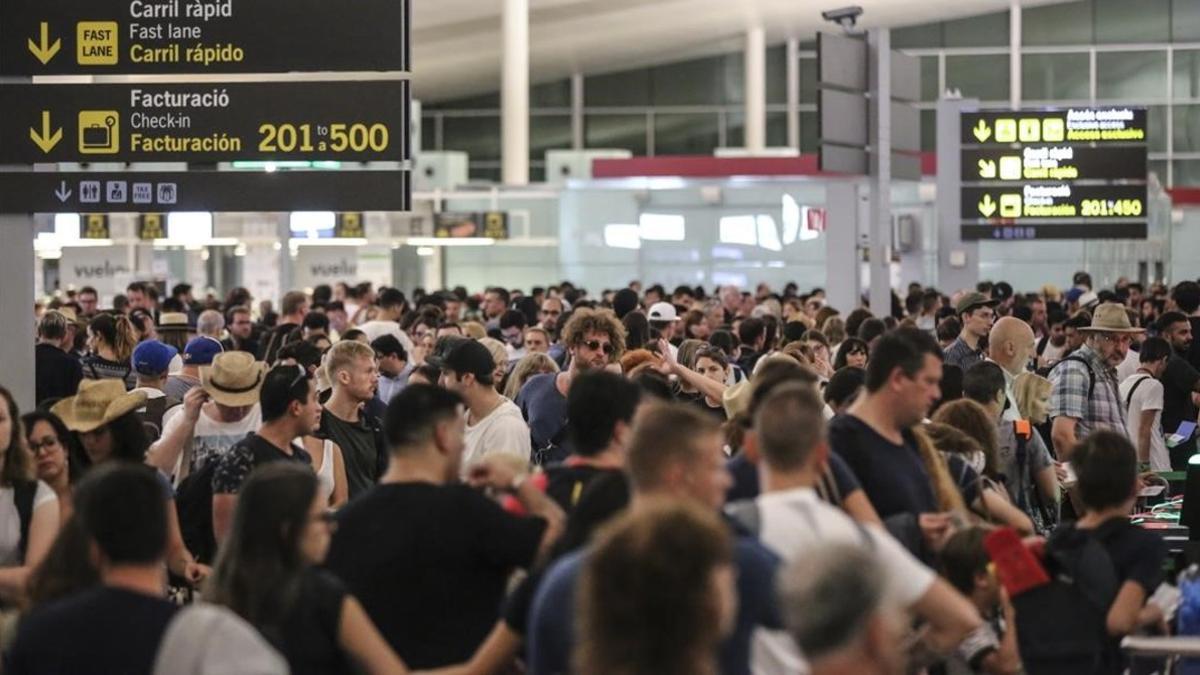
1011	344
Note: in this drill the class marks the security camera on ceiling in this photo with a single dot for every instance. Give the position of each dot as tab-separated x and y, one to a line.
846	17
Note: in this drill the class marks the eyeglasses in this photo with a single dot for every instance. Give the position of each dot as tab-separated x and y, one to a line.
596	345
48	443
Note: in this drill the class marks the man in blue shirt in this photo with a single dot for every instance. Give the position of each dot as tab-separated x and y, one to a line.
675	452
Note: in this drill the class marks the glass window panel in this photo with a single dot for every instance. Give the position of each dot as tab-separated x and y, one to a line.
484	173
695	82
1122	21
929	78
537	174
631	87
489	101
479	137
1156	128
928	130
548	132
429	133
555	94
626	132
1186	129
1159	168
731	85
1187	74
777	74
1185	20
988	30
980	76
808	132
808	80
1131	75
1059	24
1054	77
917	37
1185	172
686	134
735	130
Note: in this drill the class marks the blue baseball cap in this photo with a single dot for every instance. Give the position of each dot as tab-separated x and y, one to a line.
200	351
153	358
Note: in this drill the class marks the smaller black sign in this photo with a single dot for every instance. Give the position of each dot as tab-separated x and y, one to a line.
1116	124
1057	201
1130	230
489	224
147	192
1053	163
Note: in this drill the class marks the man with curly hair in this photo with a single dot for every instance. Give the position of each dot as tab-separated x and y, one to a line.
594	340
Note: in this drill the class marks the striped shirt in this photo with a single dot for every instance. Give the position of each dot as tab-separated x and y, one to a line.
1104	409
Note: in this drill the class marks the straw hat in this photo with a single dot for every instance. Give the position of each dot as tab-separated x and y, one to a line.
173	321
1111	318
234	379
97	403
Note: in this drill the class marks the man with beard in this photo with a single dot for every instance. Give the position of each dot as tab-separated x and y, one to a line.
1053	345
594	339
1180	383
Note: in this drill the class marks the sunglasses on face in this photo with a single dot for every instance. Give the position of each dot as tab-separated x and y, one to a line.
596	345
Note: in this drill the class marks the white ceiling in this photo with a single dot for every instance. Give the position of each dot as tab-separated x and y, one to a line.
457	52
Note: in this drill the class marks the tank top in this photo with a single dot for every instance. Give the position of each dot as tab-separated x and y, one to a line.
325	473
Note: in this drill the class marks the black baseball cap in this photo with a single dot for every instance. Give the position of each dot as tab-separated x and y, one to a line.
469	356
442	348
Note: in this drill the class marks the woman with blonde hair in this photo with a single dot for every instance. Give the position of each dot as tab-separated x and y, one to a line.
1032	394
527	367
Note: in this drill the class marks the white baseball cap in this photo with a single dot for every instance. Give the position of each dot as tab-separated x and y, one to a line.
662	311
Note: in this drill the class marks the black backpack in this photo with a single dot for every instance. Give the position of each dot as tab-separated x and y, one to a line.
1062	626
193	503
1087	366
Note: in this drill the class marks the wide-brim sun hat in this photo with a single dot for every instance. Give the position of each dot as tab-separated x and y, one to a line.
1111	317
97	403
234	379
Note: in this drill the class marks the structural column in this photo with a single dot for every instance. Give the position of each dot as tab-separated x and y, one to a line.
880	227
16	306
756	90
514	94
793	93
841	246
1014	54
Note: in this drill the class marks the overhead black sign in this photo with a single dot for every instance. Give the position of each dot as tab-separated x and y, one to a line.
1055	201
152	192
96	37
1074	125
1054	163
217	122
1130	230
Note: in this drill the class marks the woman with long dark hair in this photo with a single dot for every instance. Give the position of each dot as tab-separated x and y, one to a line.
111	340
54	451
28	508
266	573
104	416
852	352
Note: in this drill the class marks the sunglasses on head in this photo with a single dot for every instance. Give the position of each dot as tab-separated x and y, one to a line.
596	345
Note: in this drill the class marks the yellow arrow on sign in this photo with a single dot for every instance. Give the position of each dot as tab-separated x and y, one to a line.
987	168
45	50
982	131
46	140
986	206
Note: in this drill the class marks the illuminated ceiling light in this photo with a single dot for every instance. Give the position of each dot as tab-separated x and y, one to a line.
447	241
189	227
737	230
623	236
349	241
768	233
425	251
662	227
791	219
67	226
311	224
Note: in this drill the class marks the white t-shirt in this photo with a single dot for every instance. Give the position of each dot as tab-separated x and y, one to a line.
374	329
502	431
1147	396
1129	366
10	521
212	438
796	521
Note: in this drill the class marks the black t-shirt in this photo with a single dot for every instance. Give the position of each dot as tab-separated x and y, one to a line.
1178	380
103	631
56	373
893	476
361	452
1193	355
565	484
430	563
234	467
309	637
